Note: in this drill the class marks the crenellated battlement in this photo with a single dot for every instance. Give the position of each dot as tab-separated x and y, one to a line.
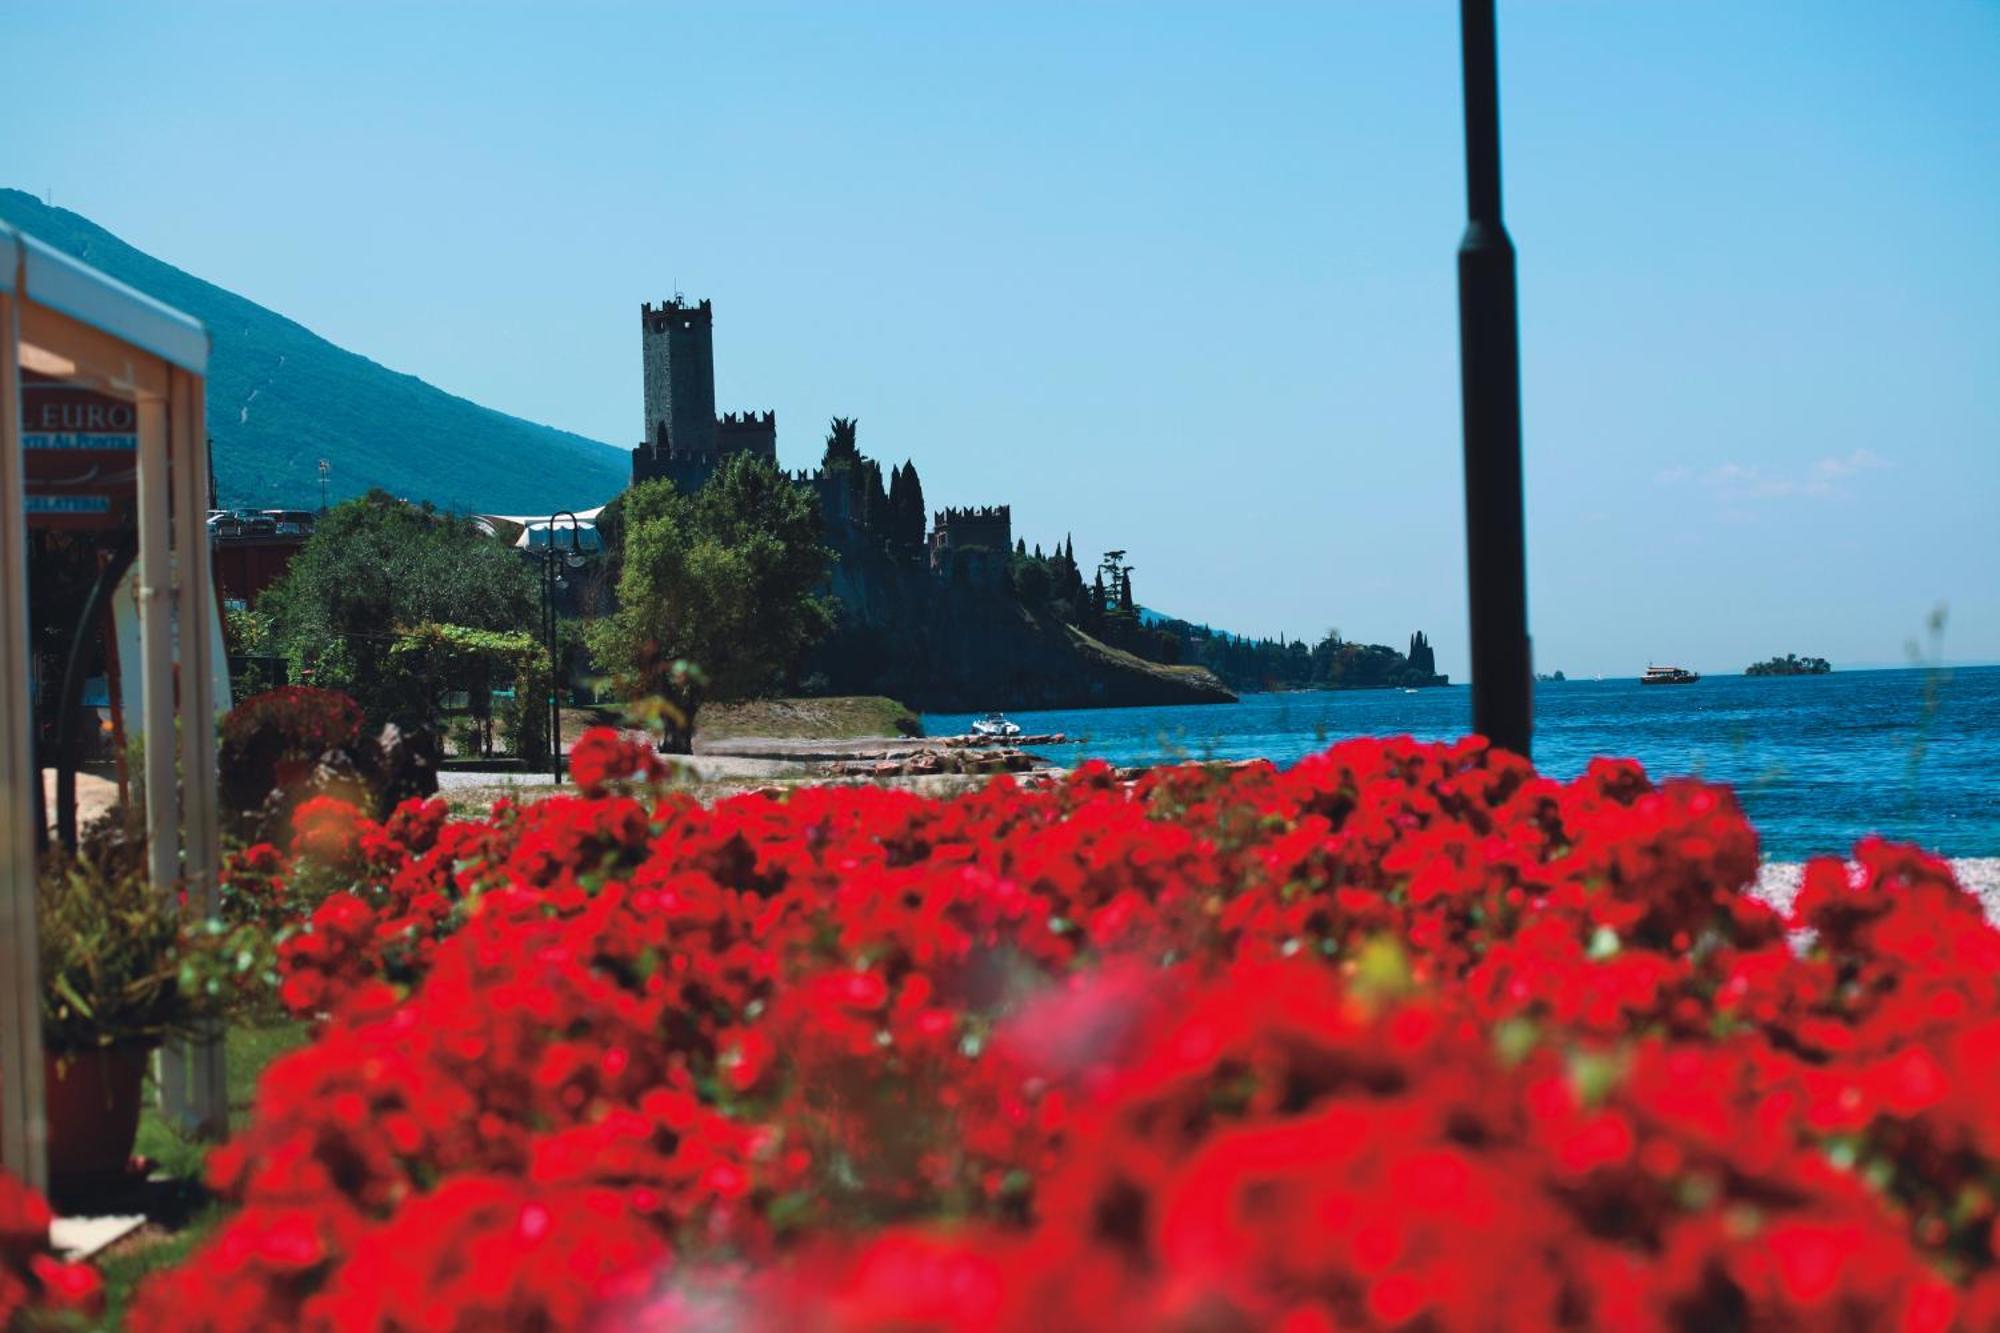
748	433
971	539
944	518
659	318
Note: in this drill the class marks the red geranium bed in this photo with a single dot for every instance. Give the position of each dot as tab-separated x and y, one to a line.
1405	1036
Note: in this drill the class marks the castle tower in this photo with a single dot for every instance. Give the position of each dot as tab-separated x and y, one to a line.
678	342
975	540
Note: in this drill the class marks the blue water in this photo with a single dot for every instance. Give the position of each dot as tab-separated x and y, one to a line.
1817	761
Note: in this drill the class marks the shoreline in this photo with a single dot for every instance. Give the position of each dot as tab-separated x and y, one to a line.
1778	881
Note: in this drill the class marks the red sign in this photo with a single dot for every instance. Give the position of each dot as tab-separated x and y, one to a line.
81	455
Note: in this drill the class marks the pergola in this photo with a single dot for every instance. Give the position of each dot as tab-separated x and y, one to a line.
65	322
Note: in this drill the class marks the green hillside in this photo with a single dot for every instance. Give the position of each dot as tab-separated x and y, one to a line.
280	398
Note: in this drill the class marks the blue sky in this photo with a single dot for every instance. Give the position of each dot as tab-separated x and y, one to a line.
1176	279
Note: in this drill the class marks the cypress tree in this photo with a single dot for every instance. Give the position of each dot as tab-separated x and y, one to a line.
876	516
840	442
1072	579
913	516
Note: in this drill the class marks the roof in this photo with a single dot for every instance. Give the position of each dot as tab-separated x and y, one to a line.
52	279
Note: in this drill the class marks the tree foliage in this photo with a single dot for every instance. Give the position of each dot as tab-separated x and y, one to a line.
429	660
907	517
1791	664
1332	663
841	445
376	566
726	578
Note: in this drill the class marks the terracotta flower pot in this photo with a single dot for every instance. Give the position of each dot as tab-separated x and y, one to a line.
93	1101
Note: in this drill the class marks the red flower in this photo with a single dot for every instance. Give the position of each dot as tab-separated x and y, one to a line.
1405	1035
31	1277
328	830
602	757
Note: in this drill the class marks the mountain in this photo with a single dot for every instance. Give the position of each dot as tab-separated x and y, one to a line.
280	398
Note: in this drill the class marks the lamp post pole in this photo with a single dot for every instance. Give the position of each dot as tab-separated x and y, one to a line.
549	626
1490	384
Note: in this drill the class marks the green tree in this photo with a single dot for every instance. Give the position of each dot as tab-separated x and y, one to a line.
906	512
374	566
1032	582
727	579
841	447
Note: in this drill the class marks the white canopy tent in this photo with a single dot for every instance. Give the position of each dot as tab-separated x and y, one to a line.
535	530
63	319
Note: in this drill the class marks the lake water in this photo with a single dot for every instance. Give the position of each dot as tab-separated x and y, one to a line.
1817	761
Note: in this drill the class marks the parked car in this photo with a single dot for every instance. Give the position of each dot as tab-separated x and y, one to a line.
256	523
292	522
222	523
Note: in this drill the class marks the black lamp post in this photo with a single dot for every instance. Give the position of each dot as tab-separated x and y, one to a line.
575	560
1490	377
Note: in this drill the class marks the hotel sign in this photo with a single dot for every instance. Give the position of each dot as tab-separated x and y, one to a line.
81	453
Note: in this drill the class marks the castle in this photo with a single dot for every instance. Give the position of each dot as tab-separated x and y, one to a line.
685	441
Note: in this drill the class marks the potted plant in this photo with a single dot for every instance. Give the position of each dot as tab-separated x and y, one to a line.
115	959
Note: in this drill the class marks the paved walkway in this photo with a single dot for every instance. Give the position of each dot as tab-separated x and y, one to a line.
706	768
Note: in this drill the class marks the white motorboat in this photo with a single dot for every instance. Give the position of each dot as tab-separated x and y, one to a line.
995	726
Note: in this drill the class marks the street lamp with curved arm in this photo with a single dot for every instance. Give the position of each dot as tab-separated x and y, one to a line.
574	560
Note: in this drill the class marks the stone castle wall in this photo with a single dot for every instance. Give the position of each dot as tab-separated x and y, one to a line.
748	433
988	526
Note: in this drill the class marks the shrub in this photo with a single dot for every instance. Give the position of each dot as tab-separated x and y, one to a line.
271	741
284	746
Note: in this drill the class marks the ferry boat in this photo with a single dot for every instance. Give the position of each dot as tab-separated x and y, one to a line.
996	725
1669	675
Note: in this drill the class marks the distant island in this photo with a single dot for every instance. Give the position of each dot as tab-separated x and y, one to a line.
1551	677
1791	664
